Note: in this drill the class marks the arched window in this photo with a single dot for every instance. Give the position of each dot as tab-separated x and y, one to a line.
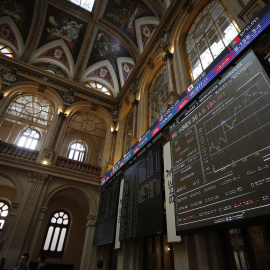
52	69
128	130
4	209
209	34
157	94
6	50
29	138
86	134
98	86
77	151
56	234
26	120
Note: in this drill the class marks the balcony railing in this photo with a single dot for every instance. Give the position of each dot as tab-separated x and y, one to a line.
16	151
78	166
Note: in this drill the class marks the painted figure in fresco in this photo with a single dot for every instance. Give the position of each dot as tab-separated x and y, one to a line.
105	48
65	29
126	13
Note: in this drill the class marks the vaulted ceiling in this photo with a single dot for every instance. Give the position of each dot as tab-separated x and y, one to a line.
103	45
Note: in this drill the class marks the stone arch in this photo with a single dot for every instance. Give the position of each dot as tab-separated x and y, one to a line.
100	112
17	51
56	43
90	199
33	87
144	85
8	179
86	77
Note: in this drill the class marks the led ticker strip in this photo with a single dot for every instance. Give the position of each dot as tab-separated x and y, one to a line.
238	44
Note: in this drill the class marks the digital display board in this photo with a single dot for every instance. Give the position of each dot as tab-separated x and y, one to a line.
107	214
221	150
237	45
142	212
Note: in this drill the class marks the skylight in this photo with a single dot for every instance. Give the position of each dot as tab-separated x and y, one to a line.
86	4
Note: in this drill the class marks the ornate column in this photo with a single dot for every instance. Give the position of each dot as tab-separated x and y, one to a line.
115	114
62	117
168	59
135	111
114	133
89	251
49	151
27	214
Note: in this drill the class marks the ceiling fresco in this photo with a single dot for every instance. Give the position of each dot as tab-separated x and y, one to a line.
107	47
102	45
124	13
62	25
21	12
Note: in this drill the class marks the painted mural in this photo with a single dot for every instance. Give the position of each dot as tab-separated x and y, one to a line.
107	47
102	73
146	32
126	69
61	25
58	54
123	13
6	33
21	13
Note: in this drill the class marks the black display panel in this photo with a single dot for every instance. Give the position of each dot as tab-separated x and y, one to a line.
107	214
221	150
142	203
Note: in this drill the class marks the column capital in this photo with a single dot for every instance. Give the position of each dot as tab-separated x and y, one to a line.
167	56
38	177
135	102
91	221
62	115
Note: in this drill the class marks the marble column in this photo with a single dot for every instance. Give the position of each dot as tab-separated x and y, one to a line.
26	216
89	251
135	118
114	133
170	72
62	117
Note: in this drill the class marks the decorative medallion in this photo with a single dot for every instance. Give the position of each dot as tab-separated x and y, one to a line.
7	34
102	73
56	53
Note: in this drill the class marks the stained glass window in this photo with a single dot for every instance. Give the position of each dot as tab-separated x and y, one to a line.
209	34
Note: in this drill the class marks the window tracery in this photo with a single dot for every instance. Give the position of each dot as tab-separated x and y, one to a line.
209	34
98	86
27	116
157	94
56	234
4	49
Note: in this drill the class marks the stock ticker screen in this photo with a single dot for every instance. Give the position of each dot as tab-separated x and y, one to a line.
107	214
142	212
221	150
